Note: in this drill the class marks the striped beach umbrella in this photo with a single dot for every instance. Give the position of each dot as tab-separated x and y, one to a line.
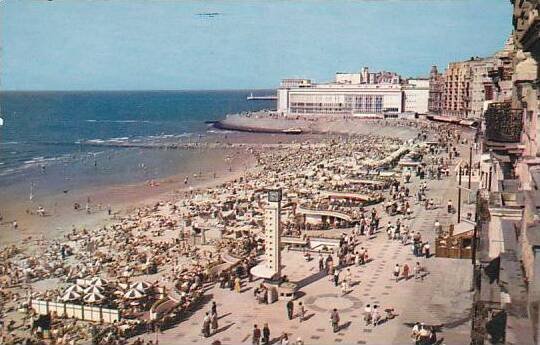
70	296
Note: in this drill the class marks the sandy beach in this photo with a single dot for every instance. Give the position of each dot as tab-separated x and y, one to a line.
219	158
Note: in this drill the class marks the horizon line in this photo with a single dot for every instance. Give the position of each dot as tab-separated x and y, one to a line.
138	90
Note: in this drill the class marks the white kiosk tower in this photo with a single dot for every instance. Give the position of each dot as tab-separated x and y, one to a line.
272	225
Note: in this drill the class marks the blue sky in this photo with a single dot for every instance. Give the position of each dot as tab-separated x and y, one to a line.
165	45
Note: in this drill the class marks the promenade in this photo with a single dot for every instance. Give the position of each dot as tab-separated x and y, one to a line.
443	297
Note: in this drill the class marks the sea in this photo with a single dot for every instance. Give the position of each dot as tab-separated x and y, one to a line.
56	138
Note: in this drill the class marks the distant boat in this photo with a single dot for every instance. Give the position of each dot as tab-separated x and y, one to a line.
292	131
261	98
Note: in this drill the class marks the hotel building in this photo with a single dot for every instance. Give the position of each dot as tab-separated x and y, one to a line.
353	94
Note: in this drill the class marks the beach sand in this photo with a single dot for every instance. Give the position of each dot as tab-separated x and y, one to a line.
123	198
229	157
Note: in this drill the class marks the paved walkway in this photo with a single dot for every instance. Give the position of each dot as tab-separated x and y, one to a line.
443	297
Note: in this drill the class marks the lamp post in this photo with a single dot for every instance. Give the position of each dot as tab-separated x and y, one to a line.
470	165
459	197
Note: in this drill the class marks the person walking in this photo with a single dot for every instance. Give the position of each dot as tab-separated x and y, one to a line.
256	336
334	318
336	278
290	309
214	308
301	312
397	269
214	322
266	335
321	263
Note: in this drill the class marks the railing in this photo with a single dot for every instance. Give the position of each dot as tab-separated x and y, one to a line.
503	124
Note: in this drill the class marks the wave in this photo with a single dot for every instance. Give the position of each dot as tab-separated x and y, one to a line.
118	121
218	131
10	143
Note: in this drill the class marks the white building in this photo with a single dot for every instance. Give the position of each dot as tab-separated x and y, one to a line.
416	96
353	93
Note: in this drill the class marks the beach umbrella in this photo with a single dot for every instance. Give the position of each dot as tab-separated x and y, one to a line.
141	286
70	296
93	297
93	289
74	288
98	281
133	294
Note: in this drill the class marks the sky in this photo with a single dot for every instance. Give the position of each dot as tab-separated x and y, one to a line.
167	45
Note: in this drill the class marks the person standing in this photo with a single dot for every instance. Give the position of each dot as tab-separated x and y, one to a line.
214	308
284	339
426	250
418	271
334	318
237	284
367	314
256	335
406	271
206	326
290	309
266	334
375	316
336	278
321	263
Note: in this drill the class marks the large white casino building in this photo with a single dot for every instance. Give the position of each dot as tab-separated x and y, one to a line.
361	93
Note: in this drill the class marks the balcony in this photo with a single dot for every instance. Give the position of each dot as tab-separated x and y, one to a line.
503	124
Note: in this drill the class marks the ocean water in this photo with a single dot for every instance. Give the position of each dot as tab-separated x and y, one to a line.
47	133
